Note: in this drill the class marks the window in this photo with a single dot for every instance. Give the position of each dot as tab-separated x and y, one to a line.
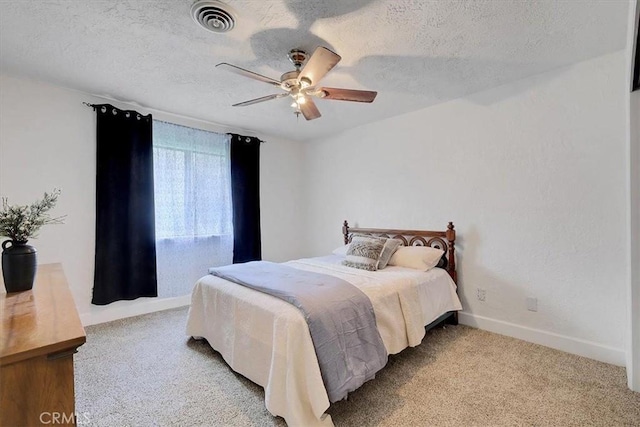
193	211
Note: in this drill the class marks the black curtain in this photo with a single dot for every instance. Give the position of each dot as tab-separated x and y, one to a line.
125	264
245	190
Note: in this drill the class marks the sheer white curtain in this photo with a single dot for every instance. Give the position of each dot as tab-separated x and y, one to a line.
192	181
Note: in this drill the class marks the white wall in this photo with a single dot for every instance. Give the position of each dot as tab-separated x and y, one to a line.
533	175
633	357
281	207
633	305
47	140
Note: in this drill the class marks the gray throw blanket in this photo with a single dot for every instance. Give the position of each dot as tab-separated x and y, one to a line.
340	318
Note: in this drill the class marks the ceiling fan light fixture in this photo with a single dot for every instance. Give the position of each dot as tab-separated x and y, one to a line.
305	82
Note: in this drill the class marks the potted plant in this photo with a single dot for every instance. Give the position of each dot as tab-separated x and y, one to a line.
20	223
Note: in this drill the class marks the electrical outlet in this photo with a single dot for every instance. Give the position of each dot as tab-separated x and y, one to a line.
482	294
532	304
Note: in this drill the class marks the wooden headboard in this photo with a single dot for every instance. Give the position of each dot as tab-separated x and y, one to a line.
444	240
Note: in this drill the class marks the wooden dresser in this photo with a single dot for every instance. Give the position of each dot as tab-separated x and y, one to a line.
39	334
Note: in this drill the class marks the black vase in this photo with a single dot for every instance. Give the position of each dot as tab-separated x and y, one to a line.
18	265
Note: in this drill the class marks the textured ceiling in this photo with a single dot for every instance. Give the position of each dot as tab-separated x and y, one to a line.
414	53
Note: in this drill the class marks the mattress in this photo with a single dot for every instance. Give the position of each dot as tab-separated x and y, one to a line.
267	340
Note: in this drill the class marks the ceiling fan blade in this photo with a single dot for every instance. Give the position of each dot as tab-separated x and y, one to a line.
247	73
320	63
309	109
346	94
262	99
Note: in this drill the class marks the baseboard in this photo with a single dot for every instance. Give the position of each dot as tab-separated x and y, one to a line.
564	343
143	306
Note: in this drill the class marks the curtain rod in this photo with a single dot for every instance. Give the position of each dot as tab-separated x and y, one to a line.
88	104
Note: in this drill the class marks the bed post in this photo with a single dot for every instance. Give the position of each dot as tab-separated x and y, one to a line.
451	237
345	232
451	267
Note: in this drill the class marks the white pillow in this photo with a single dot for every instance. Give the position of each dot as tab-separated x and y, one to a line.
418	257
341	251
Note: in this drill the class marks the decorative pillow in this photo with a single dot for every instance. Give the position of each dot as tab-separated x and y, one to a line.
390	247
341	251
418	257
363	252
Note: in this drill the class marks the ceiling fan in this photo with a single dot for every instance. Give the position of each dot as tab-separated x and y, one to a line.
301	83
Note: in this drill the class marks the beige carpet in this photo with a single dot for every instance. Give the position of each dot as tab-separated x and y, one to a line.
144	371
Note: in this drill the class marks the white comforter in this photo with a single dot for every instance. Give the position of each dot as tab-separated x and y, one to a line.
267	340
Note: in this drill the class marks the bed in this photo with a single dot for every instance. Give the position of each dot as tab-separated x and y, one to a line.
267	339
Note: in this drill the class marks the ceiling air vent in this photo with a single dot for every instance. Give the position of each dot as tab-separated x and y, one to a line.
213	16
